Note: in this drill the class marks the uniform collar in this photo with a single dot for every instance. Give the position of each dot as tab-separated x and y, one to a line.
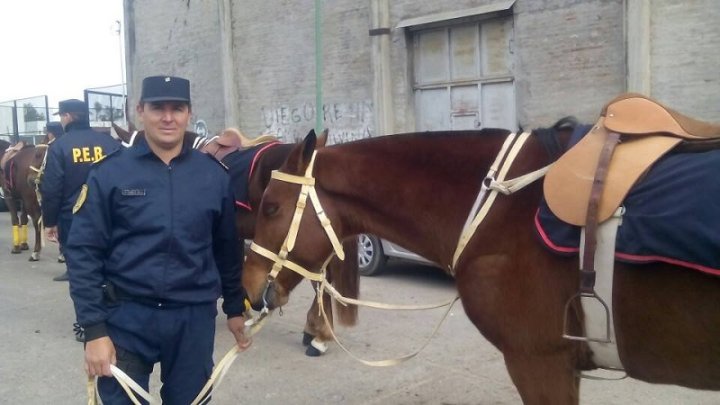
141	148
77	125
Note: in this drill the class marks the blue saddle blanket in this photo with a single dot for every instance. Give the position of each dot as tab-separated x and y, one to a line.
672	215
240	165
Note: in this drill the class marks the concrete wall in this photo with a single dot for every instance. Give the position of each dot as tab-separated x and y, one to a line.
570	58
685	56
171	37
274	48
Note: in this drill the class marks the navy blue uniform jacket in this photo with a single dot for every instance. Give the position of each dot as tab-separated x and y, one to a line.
155	231
68	162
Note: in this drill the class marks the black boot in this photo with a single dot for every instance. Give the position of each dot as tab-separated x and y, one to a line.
62	277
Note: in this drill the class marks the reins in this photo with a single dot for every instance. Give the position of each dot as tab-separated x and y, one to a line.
131	387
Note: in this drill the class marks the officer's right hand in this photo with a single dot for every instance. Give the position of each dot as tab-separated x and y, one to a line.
52	233
99	355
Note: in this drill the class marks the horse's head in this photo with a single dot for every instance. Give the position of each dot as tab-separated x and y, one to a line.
288	234
36	164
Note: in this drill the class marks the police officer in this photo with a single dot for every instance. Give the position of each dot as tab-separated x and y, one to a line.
53	131
152	248
69	159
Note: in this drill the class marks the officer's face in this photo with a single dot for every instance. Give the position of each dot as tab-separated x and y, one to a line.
165	122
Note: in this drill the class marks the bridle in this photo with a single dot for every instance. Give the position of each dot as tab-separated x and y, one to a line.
280	260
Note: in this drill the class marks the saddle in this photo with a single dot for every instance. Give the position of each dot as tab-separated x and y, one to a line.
633	131
231	140
10	152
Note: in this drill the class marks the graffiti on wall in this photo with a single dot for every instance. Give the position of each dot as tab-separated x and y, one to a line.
347	122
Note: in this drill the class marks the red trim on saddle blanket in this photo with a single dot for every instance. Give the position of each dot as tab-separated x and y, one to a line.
243	204
626	257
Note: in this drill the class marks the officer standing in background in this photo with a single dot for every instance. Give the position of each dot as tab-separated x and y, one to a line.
152	247
68	162
53	131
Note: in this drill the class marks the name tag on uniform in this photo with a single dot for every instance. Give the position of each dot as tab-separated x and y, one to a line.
134	192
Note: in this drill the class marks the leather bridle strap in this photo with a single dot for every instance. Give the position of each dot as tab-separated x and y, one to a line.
491	186
280	260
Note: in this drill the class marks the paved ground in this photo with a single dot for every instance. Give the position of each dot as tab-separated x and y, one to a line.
40	362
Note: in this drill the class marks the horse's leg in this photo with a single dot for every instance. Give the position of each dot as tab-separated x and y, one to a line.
12	208
35	216
544	379
317	333
23	226
508	299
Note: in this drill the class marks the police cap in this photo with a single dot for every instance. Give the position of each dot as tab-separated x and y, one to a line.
55	128
165	88
72	105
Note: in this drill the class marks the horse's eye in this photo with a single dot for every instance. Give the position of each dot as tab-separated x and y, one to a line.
270	209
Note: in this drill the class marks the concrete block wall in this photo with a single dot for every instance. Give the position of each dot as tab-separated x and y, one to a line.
685	56
569	58
177	38
274	51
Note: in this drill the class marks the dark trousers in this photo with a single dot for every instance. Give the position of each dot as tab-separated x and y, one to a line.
181	339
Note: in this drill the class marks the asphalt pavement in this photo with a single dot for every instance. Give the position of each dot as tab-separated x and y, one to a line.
41	363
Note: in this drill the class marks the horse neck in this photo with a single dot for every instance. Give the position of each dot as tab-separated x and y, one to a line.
415	190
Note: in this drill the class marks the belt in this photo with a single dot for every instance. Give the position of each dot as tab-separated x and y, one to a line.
148	301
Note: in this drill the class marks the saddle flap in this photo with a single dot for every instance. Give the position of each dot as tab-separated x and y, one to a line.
568	183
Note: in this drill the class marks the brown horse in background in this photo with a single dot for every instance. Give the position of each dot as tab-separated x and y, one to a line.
20	174
344	274
422	187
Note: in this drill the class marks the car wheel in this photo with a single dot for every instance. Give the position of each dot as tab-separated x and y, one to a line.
371	258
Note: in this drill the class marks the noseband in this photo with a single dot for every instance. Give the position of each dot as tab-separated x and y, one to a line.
280	260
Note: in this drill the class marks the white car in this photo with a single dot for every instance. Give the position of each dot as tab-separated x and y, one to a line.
374	252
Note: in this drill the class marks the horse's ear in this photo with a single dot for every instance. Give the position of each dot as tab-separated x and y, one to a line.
308	147
121	133
322	139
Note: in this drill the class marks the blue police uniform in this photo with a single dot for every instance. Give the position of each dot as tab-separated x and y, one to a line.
68	162
143	270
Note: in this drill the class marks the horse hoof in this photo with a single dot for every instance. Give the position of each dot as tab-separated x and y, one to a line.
307	338
16	250
33	257
24	246
312	352
316	348
61	259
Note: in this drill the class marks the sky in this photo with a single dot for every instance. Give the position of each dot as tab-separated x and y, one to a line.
59	48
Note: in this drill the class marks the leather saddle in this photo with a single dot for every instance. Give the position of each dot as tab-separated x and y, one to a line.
231	140
644	130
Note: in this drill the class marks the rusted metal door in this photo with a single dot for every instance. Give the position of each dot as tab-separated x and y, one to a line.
463	76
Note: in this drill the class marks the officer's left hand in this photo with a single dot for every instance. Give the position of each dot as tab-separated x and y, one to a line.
237	327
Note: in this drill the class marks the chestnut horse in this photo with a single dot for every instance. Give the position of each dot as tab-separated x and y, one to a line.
19	182
417	190
344	274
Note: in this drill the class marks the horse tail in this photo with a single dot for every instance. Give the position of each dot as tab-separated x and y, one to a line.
346	280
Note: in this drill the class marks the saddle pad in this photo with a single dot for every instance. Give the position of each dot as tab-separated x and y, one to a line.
240	166
672	215
569	181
